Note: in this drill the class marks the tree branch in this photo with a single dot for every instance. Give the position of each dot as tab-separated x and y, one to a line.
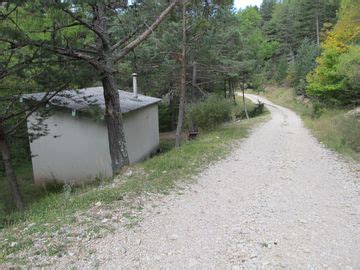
7	71
132	45
75	53
46	98
4	16
126	39
49	30
87	25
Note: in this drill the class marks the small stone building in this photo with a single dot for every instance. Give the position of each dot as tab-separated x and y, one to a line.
75	147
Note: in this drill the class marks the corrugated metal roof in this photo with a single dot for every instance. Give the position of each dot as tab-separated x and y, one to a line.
84	98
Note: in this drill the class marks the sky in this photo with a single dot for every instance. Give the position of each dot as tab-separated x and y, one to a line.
245	3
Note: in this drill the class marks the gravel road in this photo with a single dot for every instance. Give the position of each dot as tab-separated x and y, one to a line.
279	201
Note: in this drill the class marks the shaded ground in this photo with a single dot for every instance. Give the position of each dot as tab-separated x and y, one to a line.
281	200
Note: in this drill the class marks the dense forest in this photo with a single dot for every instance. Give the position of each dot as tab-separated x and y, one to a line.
182	51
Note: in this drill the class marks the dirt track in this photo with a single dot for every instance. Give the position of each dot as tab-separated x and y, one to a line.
281	200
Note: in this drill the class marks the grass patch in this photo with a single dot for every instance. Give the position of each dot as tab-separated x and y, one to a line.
50	213
163	170
29	190
166	144
332	126
252	108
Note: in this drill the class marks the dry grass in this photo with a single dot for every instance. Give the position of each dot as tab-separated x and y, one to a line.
332	126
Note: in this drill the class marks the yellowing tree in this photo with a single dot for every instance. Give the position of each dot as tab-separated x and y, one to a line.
330	81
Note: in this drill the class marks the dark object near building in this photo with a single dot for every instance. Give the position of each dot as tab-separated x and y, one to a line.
192	135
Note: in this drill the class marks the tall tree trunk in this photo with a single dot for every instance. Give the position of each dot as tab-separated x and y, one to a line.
173	112
243	95
113	117
193	81
291	56
114	122
317	30
225	88
317	23
233	91
230	90
10	172
182	102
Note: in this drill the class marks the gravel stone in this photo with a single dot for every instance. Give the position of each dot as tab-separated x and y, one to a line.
279	185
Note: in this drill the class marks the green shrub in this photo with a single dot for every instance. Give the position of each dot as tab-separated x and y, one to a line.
300	87
258	110
238	112
254	110
209	113
316	109
349	68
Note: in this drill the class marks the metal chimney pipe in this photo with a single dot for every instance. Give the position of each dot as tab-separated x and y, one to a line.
135	90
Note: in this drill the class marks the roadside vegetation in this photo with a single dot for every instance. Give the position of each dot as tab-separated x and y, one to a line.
319	79
337	128
33	193
160	174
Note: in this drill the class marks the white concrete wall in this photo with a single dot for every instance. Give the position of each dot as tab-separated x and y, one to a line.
142	132
76	150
